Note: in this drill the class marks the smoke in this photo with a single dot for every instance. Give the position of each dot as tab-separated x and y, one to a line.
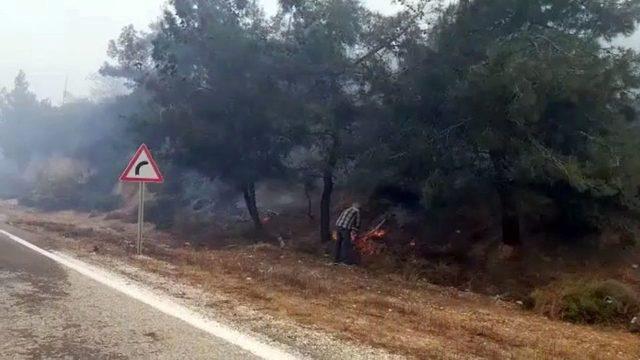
63	156
9	178
58	168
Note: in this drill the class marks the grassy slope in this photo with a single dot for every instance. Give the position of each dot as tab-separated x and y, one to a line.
415	319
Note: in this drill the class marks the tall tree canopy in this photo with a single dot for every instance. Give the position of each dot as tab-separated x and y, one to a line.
503	96
531	95
221	102
323	40
20	112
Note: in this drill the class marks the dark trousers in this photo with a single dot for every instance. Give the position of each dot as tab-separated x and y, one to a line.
344	251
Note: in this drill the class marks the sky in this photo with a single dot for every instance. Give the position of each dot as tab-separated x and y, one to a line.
58	41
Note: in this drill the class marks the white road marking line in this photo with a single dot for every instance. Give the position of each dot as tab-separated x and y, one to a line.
162	304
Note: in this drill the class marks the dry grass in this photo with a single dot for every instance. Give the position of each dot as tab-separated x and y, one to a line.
418	320
424	321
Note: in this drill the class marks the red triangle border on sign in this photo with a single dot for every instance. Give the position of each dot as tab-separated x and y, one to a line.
132	162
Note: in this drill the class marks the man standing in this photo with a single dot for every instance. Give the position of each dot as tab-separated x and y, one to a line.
347	226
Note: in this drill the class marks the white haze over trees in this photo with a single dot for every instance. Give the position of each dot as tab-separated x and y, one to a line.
66	39
58	42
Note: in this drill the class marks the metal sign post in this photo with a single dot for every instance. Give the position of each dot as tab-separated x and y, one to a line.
140	218
141	169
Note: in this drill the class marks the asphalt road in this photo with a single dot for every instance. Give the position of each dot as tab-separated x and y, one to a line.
50	312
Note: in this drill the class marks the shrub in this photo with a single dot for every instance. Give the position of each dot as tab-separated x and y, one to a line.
64	183
587	301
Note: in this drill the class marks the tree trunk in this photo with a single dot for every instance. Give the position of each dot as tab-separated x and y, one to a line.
508	203
249	193
327	189
325	206
307	194
510	215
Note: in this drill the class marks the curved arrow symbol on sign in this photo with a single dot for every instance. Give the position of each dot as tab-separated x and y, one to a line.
140	165
136	171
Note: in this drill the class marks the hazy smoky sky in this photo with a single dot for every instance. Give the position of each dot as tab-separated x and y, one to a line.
56	39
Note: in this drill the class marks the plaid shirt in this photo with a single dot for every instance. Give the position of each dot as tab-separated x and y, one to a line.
349	219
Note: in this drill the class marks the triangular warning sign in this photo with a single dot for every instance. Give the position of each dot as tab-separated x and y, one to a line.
142	168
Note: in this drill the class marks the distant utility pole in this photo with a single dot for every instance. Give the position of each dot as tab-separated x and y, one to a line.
64	92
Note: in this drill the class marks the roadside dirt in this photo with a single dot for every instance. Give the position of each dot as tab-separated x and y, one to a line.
327	311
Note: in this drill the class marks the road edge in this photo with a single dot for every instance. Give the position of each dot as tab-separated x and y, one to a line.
159	303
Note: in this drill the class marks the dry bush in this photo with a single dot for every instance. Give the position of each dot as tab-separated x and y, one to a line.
64	183
307	281
587	301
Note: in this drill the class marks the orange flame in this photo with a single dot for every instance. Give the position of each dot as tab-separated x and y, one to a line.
366	244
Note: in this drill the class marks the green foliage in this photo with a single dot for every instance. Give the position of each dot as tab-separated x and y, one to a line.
217	90
525	95
502	97
588	301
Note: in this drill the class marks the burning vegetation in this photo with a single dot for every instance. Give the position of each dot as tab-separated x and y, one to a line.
371	242
493	133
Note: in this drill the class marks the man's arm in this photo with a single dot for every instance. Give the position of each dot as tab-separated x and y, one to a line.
356	222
